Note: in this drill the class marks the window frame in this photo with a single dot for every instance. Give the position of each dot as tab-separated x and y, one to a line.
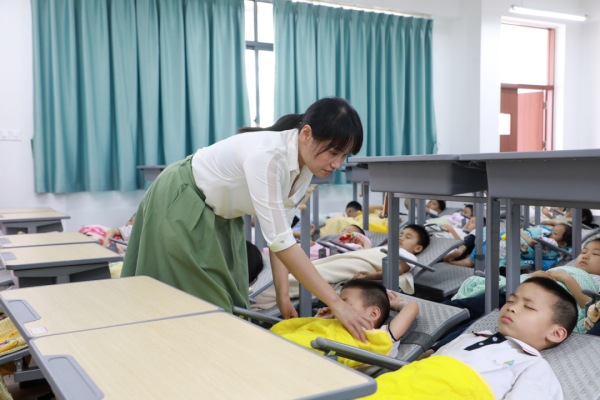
548	89
257	46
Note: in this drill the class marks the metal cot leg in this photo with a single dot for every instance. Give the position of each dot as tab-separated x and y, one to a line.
248	227
391	273
525	217
421	216
492	254
305	295
366	207
576	232
513	251
259	239
538	215
355	191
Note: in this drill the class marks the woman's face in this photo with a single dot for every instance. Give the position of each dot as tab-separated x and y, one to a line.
319	161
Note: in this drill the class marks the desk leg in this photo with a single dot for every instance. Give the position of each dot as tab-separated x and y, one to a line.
492	254
248	227
538	216
525	217
421	216
479	256
259	239
411	211
315	205
366	207
513	247
576	232
305	295
355	191
391	272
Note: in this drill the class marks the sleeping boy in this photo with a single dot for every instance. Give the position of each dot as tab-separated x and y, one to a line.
539	315
413	240
374	303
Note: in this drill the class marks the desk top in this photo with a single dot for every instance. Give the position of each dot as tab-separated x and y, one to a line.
213	356
532	155
32	216
56	256
55	309
419	158
25	210
44	239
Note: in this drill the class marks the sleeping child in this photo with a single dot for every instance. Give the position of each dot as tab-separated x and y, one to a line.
488	365
374	303
103	234
413	240
457	218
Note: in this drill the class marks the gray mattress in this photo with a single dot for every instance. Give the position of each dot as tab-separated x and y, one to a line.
445	281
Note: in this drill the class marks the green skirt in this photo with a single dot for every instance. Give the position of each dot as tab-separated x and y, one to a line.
178	239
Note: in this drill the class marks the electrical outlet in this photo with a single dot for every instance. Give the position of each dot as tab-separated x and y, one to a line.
3	135
14	135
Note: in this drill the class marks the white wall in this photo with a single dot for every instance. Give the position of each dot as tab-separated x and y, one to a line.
466	94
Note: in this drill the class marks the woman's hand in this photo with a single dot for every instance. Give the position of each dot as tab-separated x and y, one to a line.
352	320
286	307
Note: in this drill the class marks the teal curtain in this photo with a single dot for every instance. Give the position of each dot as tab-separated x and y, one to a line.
122	83
381	63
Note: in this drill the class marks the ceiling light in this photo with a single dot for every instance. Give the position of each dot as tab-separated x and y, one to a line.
549	14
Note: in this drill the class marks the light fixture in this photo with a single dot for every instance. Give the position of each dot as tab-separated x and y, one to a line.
549	14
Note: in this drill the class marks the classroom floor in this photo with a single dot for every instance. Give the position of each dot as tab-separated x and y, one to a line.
30	393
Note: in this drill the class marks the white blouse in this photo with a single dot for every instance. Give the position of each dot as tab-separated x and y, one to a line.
253	173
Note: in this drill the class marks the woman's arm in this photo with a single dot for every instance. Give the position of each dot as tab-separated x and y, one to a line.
296	261
282	287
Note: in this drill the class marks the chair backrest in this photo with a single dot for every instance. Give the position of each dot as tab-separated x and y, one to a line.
571	361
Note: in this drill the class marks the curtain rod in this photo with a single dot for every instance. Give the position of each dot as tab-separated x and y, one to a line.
363	8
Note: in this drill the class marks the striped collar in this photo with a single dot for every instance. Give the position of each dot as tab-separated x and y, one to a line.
527	349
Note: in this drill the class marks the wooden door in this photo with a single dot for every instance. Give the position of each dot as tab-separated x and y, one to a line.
509	104
531	122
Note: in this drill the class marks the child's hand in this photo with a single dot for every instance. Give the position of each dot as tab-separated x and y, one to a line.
395	299
559	276
325	313
312	243
362	275
447	227
357	240
524	247
542	274
312	229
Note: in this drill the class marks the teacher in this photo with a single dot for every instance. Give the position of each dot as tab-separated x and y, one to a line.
189	231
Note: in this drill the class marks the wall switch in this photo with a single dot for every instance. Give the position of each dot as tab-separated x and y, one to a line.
3	135
14	135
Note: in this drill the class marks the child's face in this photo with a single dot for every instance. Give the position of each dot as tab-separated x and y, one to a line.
472	224
409	241
434	205
131	221
351	213
527	316
589	259
350	229
557	234
353	298
467	211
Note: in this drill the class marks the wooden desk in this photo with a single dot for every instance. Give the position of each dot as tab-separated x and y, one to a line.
46	265
32	222
209	356
96	304
44	239
25	210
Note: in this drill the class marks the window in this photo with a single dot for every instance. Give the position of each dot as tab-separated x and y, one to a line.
527	90
260	61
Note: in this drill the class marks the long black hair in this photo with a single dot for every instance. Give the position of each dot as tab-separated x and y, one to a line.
331	119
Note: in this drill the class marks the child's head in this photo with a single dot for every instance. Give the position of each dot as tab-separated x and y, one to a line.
352	229
353	208
414	239
589	258
255	261
540	313
468	210
131	220
472	224
563	234
586	216
437	205
369	298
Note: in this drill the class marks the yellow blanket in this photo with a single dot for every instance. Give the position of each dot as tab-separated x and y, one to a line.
435	378
305	330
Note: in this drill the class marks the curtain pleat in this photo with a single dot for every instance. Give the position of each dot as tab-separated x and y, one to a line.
122	83
381	63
